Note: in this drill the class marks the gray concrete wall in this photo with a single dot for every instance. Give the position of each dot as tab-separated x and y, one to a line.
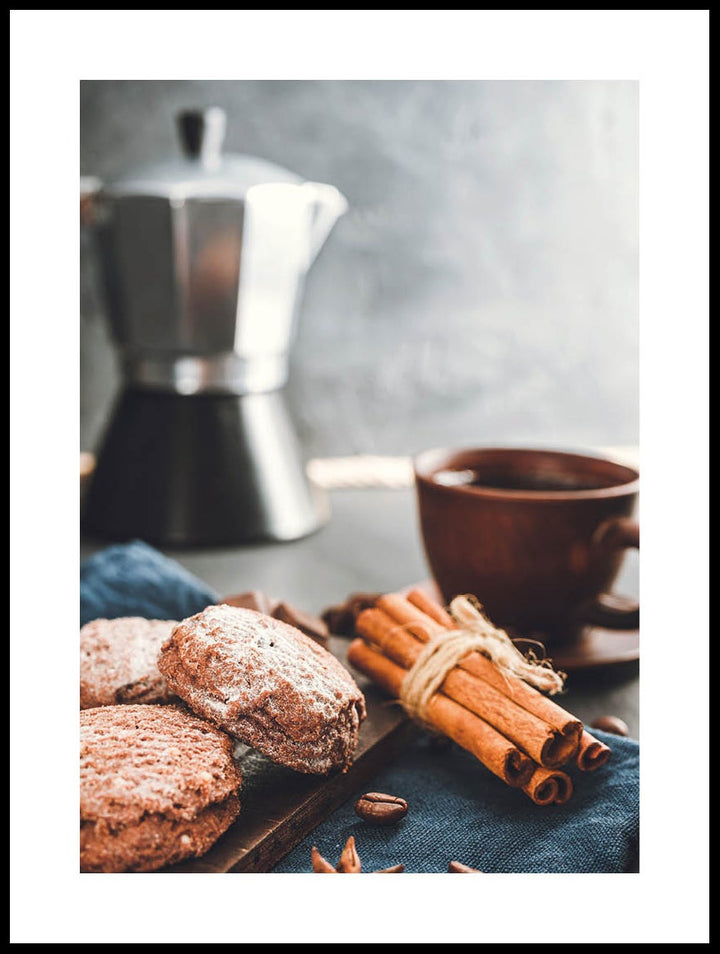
483	286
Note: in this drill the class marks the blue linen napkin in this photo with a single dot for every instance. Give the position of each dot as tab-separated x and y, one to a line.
458	810
134	579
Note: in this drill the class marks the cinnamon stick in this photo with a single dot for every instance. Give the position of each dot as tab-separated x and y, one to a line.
473	733
429	607
592	753
548	787
407	612
523	728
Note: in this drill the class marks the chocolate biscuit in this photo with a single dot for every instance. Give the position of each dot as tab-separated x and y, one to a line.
157	785
118	661
268	685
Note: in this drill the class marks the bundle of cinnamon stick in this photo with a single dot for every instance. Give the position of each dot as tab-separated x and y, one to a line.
518	733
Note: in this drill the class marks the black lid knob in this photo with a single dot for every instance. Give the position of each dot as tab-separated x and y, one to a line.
202	132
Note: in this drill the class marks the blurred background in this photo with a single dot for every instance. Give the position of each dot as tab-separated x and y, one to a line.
483	285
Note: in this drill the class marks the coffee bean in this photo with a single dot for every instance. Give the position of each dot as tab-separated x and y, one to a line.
340	619
381	809
611	724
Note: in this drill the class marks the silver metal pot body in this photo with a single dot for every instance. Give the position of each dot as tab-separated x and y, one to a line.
204	261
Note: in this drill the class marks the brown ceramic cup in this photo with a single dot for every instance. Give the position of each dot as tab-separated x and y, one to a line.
537	536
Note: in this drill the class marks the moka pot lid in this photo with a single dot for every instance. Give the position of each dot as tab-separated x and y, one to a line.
203	171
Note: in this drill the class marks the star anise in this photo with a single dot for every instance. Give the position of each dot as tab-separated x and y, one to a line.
349	862
457	867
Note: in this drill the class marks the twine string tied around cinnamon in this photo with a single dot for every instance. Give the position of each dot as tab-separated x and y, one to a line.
473	633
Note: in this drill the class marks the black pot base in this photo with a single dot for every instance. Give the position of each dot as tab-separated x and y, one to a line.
201	470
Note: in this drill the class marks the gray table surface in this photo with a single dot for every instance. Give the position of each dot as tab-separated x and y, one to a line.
372	543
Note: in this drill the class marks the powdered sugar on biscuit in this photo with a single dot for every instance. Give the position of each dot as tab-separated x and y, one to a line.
266	683
151	760
118	661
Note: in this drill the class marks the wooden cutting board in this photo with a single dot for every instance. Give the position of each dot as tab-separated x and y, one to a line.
280	807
